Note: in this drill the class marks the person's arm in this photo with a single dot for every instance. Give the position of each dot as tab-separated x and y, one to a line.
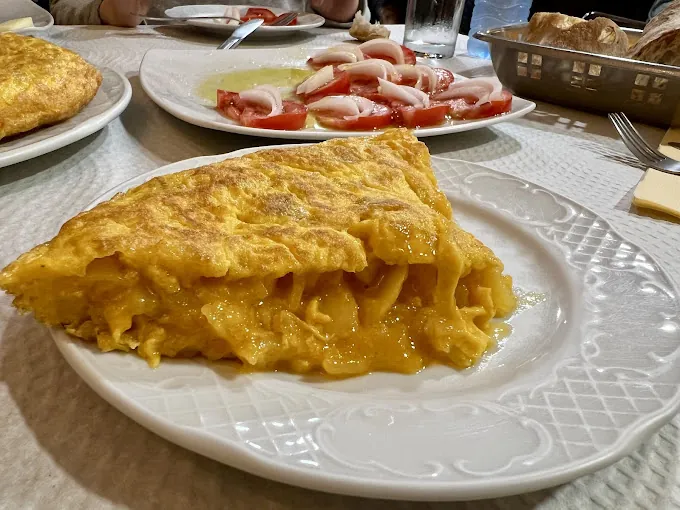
75	12
95	12
336	10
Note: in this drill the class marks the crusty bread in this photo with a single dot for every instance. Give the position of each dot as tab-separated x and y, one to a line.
660	40
600	35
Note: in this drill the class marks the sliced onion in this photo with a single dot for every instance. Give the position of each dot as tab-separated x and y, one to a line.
416	72
383	47
431	77
265	95
232	12
376	67
350	107
341	53
317	80
338	56
408	71
484	89
403	93
348	48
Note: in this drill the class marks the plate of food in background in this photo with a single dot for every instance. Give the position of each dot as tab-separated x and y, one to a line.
346	90
52	97
296	311
23	15
303	21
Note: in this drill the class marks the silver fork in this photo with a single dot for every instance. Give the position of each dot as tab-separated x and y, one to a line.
285	20
647	154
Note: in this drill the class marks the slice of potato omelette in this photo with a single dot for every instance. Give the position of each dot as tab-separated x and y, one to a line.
41	83
340	257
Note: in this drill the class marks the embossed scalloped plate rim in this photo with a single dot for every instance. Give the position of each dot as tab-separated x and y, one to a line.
236	455
169	77
80	129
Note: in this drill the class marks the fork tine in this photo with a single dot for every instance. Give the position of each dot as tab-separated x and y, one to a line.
641	141
643	157
633	139
285	20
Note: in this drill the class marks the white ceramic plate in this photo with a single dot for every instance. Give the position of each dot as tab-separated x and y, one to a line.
586	374
14	9
171	79
306	20
111	99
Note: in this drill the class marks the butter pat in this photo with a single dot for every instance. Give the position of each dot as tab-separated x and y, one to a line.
16	24
658	190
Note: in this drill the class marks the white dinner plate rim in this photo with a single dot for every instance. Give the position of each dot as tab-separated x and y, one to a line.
237	456
263	30
76	133
40	28
314	135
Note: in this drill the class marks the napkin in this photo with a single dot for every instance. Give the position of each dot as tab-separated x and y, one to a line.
658	190
16	24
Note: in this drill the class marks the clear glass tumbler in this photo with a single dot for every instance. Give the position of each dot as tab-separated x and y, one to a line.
432	27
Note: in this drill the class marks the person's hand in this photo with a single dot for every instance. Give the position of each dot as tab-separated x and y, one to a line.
121	13
336	10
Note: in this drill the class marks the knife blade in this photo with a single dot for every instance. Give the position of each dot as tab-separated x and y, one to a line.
241	33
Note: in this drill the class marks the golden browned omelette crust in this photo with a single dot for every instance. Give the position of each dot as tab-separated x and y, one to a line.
41	83
340	257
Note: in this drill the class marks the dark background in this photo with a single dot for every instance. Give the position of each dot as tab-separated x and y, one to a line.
395	10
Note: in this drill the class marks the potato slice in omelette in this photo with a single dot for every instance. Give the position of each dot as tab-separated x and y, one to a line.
41	83
340	257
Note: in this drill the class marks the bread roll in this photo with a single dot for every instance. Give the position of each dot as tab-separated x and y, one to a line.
660	41
600	35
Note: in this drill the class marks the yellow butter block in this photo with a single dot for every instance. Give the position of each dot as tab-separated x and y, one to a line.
658	190
16	24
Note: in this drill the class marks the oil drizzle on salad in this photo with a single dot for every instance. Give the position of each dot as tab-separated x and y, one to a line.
285	78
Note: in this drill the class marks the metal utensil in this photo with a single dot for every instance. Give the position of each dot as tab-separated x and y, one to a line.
285	20
180	19
619	20
648	155
243	31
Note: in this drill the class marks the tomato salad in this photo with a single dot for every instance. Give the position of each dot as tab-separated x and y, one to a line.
368	86
258	13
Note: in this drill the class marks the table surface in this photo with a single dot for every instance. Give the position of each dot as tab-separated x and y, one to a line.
62	446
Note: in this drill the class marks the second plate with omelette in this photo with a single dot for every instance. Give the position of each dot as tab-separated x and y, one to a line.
587	367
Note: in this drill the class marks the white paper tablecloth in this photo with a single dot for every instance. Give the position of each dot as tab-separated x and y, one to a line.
62	446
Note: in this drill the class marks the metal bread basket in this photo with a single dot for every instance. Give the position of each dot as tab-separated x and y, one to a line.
644	91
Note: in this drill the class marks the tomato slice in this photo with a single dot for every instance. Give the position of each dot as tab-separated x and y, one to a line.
259	12
463	109
380	117
293	117
337	87
280	16
226	98
412	116
409	55
444	78
369	90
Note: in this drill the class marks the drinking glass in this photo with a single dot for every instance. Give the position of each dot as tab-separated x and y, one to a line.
432	27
